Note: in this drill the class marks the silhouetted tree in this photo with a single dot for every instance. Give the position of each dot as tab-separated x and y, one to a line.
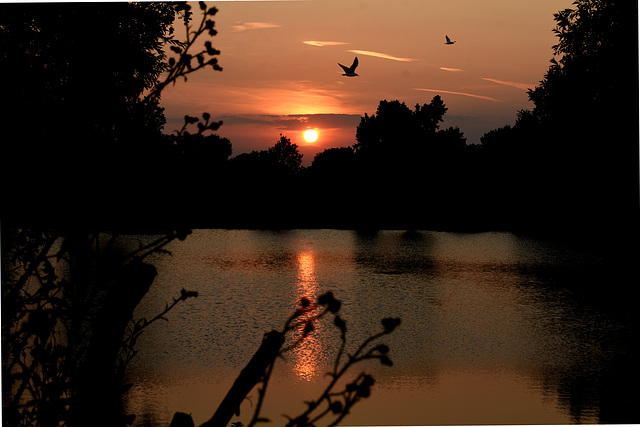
430	115
387	131
283	160
596	69
78	70
330	185
198	152
203	151
82	100
268	181
397	131
333	160
286	155
577	149
410	171
193	165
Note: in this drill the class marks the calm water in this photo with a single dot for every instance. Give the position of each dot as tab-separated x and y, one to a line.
489	333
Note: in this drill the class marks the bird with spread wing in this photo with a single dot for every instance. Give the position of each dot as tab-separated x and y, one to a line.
350	71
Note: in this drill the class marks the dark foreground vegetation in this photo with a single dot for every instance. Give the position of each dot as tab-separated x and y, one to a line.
84	157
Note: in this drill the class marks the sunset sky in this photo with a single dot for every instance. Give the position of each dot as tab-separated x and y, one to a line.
281	72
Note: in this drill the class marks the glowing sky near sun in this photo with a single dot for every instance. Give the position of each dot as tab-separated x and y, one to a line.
281	73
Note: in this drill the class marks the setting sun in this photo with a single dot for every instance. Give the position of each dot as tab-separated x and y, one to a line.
310	135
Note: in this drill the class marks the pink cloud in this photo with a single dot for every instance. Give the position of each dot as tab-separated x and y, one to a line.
488	98
381	55
244	26
523	86
322	43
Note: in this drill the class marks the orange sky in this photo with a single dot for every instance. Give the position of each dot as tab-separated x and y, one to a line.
281	73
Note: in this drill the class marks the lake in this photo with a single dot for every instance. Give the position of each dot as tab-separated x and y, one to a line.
494	330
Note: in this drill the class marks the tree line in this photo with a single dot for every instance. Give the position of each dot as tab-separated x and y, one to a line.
570	162
404	171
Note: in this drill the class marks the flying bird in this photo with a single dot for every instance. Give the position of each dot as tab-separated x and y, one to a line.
350	71
449	40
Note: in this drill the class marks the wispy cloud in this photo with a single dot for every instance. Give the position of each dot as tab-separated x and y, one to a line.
381	55
282	97
322	121
523	86
295	121
454	70
488	98
321	43
244	26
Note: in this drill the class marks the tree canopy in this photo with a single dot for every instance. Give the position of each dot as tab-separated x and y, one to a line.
286	155
77	68
395	128
577	149
597	66
83	135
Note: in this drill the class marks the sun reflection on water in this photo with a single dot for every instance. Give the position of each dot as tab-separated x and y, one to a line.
307	281
307	356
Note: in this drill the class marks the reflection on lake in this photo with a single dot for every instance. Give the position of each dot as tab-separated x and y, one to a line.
307	355
489	334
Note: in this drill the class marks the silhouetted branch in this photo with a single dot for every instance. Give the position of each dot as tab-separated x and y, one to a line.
252	374
183	66
141	324
262	391
157	245
258	370
354	391
202	127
